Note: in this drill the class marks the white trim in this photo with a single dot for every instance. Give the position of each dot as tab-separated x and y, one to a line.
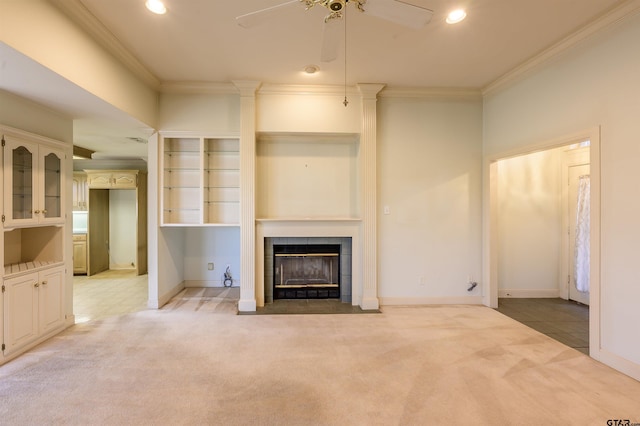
22	134
609	19
208	283
198	87
570	158
490	231
79	14
452	300
164	299
302	89
431	93
623	365
195	134
524	293
316	228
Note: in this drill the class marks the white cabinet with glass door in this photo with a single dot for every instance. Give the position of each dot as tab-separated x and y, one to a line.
33	184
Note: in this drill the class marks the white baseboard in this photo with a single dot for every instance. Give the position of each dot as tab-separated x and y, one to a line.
122	267
247	305
164	299
616	362
370	304
453	300
208	283
517	293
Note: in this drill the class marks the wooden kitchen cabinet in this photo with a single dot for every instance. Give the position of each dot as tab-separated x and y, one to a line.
33	305
79	254
112	179
80	192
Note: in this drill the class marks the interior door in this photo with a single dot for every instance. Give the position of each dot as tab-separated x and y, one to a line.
574	176
98	231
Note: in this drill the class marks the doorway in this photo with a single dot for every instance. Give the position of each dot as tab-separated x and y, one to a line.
493	246
575	197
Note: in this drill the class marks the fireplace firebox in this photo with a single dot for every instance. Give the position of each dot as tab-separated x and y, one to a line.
306	271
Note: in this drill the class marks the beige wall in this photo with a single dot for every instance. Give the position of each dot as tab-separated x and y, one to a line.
594	84
429	175
529	224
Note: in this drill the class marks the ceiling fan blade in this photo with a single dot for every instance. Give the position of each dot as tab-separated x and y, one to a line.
252	19
331	40
399	12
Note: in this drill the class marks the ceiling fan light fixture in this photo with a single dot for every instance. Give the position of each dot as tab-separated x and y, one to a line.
456	16
156	6
336	5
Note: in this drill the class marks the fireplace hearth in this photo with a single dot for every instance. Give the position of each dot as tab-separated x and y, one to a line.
306	271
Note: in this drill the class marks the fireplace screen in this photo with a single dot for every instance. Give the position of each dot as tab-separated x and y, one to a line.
306	271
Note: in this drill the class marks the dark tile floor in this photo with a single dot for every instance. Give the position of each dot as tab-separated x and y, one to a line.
562	320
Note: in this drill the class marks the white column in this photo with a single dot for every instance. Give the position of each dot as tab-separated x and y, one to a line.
368	164
247	90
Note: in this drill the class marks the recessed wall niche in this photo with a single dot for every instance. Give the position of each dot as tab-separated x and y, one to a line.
307	176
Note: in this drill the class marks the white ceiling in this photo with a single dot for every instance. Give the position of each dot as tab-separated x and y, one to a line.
199	41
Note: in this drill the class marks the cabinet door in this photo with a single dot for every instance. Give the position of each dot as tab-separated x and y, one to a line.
51	299
124	180
79	191
51	185
99	180
21	312
20	158
80	257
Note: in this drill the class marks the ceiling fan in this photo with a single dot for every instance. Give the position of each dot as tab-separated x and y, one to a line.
397	11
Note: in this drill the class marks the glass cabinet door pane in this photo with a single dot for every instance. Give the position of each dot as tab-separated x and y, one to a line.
22	183
52	185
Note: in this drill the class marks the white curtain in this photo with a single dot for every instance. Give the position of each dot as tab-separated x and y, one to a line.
582	235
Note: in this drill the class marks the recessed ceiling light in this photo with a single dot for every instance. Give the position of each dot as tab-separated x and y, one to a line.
156	6
311	69
456	16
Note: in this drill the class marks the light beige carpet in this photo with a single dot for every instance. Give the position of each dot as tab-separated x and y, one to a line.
196	362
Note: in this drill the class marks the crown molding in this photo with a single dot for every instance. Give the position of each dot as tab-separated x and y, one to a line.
303	89
198	87
609	19
431	93
81	16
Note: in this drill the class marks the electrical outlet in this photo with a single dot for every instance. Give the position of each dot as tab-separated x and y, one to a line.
422	281
386	210
210	266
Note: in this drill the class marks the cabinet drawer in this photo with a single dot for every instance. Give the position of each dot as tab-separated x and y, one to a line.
79	237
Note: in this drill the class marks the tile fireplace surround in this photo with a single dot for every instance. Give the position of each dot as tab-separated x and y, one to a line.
344	232
345	262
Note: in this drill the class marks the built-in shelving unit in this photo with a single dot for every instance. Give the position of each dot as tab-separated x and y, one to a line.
222	181
200	181
32	240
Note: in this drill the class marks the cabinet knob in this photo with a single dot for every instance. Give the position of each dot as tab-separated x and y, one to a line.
44	283
44	212
36	284
37	211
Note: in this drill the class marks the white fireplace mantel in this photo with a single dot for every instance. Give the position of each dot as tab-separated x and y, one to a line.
362	230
